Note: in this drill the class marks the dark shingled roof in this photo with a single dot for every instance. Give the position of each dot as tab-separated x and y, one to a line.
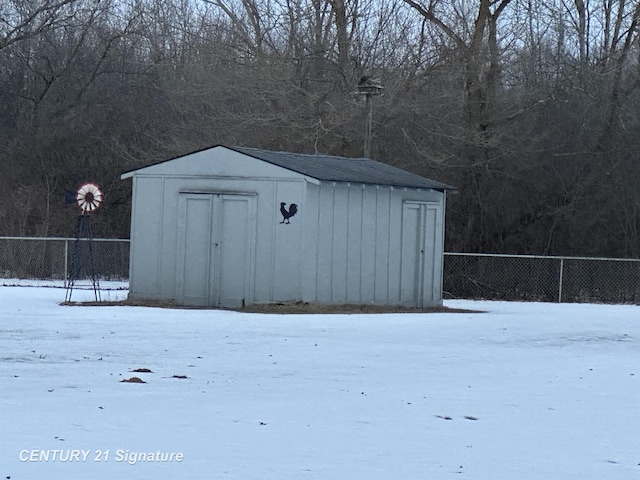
343	169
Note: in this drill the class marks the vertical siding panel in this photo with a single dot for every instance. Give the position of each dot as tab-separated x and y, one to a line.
368	245
272	251
265	211
354	244
325	243
168	239
395	244
382	246
162	258
310	238
339	240
133	288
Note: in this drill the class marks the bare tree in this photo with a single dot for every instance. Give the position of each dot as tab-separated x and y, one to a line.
21	20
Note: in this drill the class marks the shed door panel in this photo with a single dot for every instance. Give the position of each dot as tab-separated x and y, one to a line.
421	261
234	238
411	257
432	258
194	249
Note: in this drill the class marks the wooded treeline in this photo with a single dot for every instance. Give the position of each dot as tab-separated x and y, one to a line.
531	108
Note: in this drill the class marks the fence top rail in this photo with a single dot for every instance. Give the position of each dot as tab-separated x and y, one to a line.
452	254
69	239
550	257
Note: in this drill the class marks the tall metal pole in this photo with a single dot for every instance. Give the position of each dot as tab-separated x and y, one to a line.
367	126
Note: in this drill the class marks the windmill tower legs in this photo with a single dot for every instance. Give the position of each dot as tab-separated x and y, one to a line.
83	261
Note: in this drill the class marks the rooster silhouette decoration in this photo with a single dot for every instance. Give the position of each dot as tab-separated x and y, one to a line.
287	214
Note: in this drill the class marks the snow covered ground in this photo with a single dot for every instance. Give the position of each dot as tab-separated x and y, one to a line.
524	391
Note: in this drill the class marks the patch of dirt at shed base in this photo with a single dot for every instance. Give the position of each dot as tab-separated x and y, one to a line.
283	308
317	308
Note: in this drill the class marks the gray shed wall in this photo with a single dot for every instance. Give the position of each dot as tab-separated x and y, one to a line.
356	255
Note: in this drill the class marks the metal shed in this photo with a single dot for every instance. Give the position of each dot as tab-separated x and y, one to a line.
229	226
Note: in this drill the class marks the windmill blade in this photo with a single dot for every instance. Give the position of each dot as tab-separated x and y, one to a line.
89	197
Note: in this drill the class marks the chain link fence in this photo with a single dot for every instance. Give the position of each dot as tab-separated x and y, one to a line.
540	278
50	261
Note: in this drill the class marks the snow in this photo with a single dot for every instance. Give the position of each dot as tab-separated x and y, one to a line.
522	391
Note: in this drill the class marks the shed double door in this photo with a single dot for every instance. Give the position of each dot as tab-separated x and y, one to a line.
422	251
215	249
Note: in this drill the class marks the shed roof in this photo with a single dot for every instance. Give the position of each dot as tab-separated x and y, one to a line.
344	169
338	169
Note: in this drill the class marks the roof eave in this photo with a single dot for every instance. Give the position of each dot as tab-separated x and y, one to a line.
438	188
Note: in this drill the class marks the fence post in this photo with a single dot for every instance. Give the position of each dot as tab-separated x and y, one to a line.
560	280
66	256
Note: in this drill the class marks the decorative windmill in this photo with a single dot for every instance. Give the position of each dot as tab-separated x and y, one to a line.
89	197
